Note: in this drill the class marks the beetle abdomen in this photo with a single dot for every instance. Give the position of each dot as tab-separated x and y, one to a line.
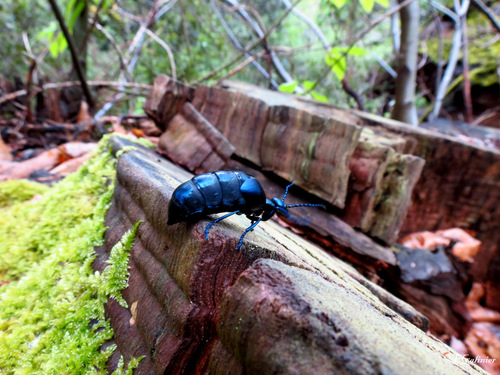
215	192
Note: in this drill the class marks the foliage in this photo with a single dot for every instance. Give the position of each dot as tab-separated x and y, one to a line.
200	44
51	302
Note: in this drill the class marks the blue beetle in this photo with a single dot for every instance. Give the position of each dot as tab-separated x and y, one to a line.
226	191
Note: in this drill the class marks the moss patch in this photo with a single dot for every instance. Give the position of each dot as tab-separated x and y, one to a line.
51	301
15	191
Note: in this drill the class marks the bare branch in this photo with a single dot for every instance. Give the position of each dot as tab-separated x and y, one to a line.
316	30
259	32
72	50
239	47
250	47
454	52
488	13
16	94
352	42
166	48
465	64
123	65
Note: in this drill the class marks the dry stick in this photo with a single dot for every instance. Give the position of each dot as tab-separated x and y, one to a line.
242	65
239	47
488	13
29	92
454	52
91	28
465	64
16	94
258	31
250	47
123	65
72	50
166	48
357	38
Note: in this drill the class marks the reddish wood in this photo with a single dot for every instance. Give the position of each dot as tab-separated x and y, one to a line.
278	305
193	142
166	100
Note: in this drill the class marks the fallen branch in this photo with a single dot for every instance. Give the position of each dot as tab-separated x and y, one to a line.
16	94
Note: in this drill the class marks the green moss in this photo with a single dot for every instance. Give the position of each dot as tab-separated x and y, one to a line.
51	305
19	191
116	274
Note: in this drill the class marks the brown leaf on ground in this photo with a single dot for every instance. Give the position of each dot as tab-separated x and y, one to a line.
5	153
48	160
76	149
424	240
484	343
465	248
11	170
476	311
71	165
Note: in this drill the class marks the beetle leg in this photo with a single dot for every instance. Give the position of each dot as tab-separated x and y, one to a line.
217	220
248	230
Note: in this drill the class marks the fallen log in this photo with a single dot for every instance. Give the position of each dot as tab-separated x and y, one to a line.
278	305
298	142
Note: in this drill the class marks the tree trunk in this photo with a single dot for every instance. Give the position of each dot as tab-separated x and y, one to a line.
404	109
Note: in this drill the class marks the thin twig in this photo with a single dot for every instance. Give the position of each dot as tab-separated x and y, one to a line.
488	13
74	55
91	28
16	94
460	9
123	65
259	32
239	47
250	47
166	48
465	64
315	29
352	42
242	65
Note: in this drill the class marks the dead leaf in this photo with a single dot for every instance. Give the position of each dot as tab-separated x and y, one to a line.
477	312
466	247
70	165
5	153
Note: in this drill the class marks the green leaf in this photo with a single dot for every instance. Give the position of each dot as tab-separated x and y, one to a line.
58	45
339	68
288	87
384	3
336	59
47	33
319	97
338	3
357	51
308	85
74	13
367	5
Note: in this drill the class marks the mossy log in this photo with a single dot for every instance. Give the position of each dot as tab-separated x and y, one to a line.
278	305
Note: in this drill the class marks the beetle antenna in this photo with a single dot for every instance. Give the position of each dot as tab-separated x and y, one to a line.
286	191
306	205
